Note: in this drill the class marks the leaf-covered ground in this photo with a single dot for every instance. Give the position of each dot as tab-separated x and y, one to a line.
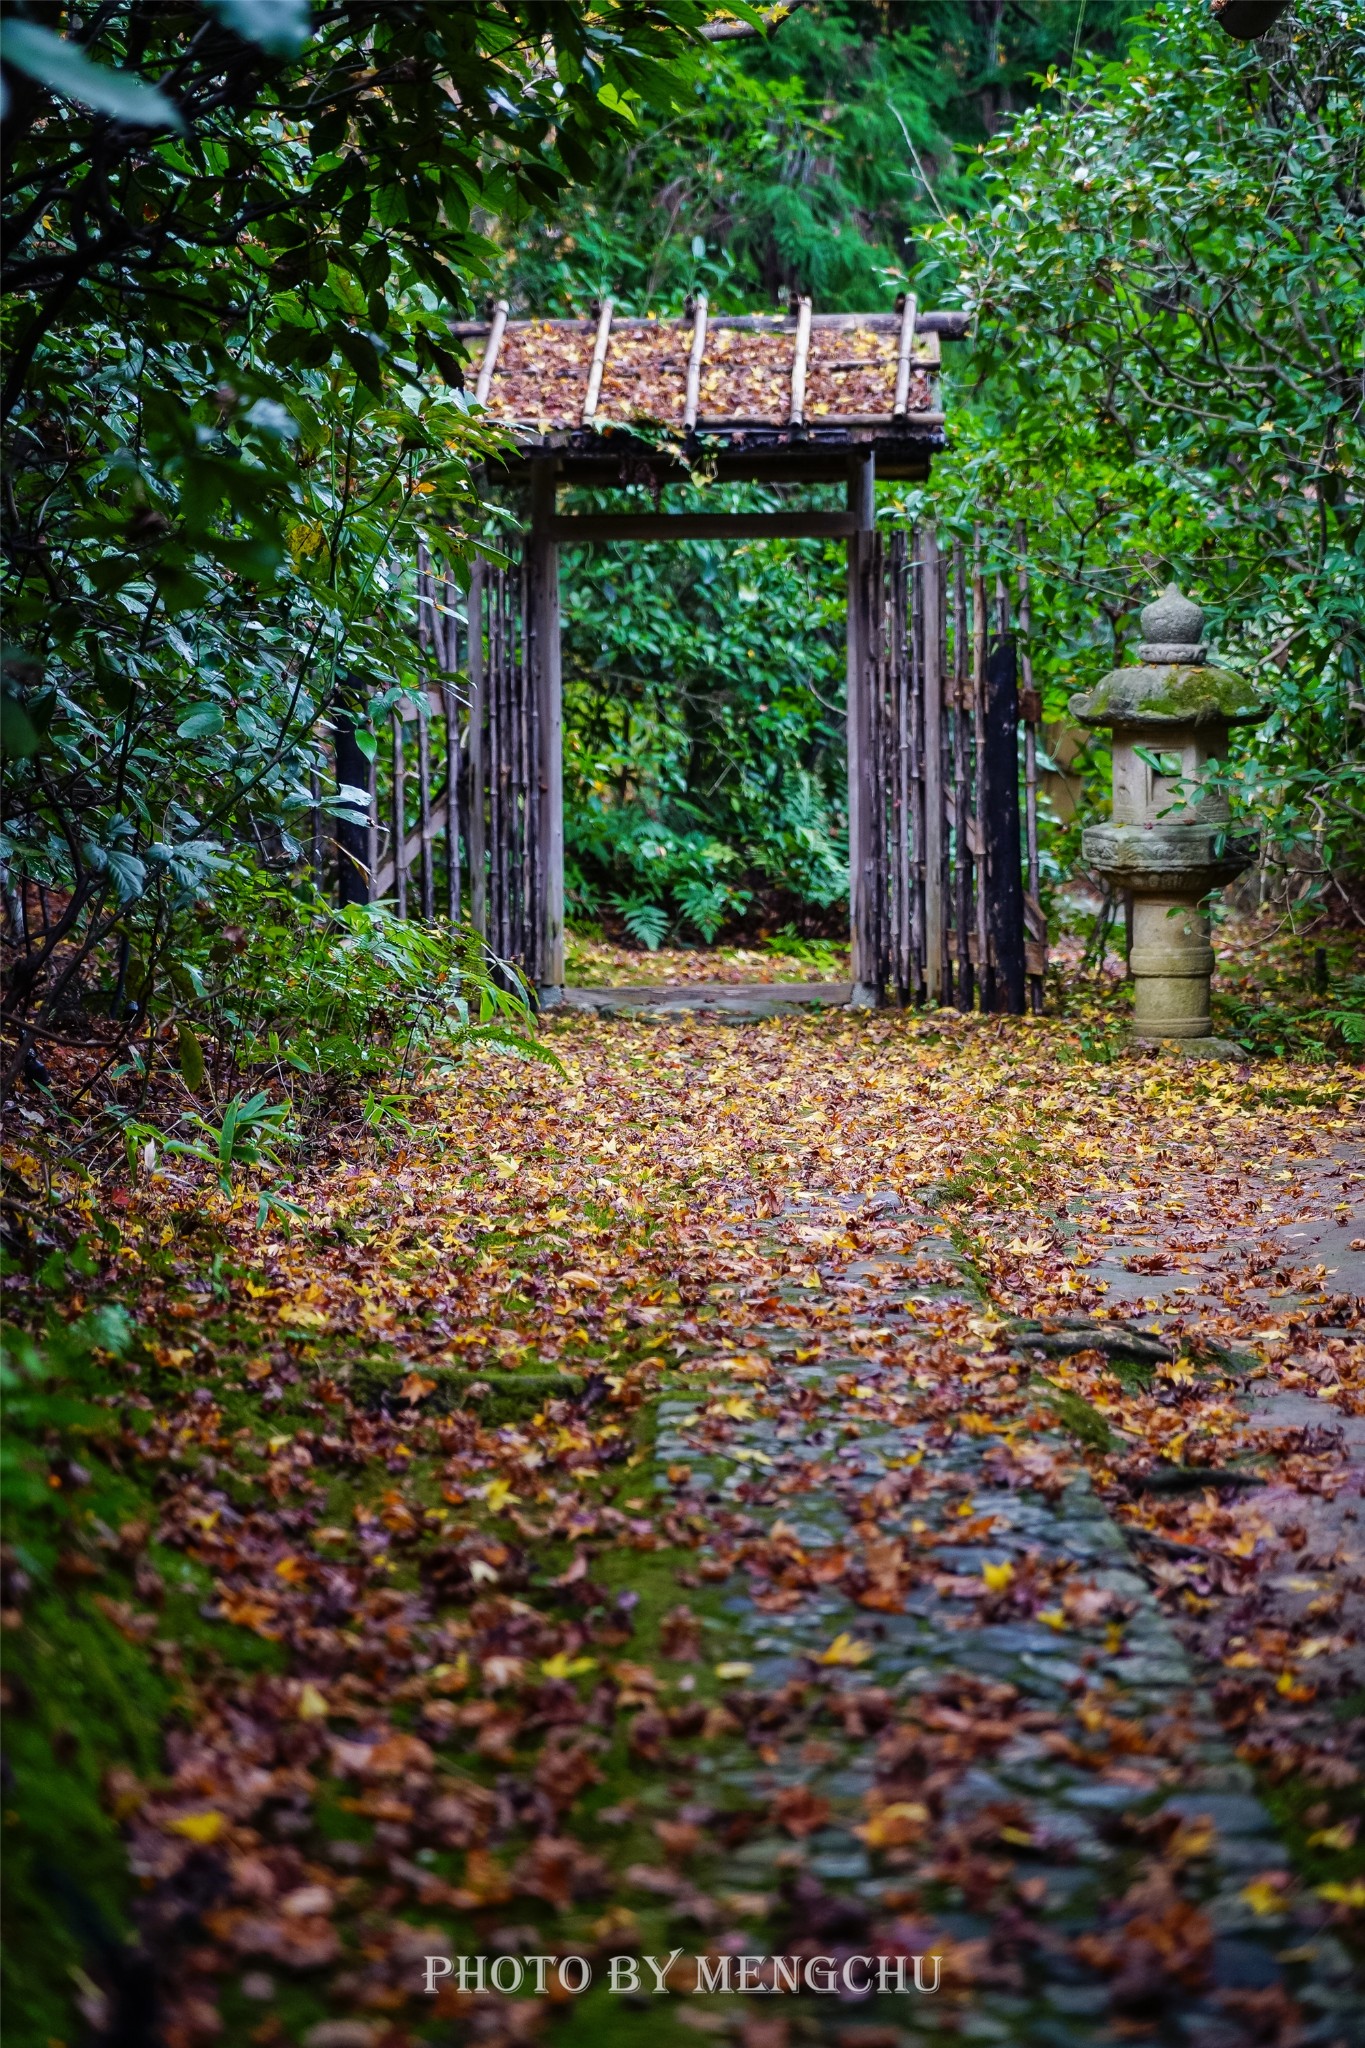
832	1487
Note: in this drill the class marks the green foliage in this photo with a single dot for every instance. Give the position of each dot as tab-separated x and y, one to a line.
84	1699
289	986
704	767
1280	1023
705	744
1168	278
809	160
267	979
233	409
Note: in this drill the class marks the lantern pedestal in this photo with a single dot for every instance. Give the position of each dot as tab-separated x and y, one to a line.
1168	842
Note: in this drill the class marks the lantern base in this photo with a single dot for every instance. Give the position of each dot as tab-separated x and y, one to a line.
1192	1048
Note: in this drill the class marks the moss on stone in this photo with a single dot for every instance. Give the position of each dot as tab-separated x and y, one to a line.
1169	693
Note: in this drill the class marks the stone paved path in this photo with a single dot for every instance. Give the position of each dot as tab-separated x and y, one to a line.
728	1002
945	1504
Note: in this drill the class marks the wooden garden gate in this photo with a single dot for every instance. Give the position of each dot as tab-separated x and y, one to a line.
942	908
943	824
467	811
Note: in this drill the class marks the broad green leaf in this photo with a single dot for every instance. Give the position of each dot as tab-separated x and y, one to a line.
65	70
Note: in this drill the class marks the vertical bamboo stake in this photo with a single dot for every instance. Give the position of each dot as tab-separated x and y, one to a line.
426	875
545	818
400	807
521	775
933	772
476	835
497	766
900	589
916	640
544	963
425	598
961	786
493	759
315	816
511	609
862	840
985	969
1031	709
885	763
372	828
450	713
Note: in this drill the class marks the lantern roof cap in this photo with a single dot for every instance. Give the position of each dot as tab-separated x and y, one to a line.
1173	685
1172	628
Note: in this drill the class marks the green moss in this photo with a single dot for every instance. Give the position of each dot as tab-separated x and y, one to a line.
1074	1414
1173	693
83	1699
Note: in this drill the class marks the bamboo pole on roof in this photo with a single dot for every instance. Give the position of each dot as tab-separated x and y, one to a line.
490	354
694	361
598	363
797	416
904	355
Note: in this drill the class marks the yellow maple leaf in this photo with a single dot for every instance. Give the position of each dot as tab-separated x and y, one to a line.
1352	1894
199	1827
904	1820
845	1649
497	1494
561	1665
1263	1896
998	1576
1340	1837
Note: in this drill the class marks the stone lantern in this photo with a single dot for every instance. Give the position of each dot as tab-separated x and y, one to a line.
1168	841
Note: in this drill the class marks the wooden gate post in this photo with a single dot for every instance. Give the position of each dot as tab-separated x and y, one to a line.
863	837
547	790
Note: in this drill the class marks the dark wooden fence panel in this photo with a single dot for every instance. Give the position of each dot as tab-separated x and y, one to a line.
454	792
947	915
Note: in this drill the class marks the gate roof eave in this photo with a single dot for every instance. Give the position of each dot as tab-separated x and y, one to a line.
758	397
614	454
